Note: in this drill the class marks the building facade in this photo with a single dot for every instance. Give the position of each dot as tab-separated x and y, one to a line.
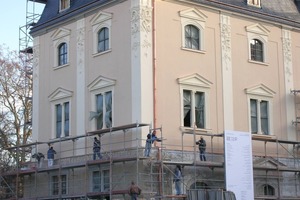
119	69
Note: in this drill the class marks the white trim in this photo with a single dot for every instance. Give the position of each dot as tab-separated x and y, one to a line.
261	93
196	18
60	36
60	96
99	21
60	6
195	83
261	33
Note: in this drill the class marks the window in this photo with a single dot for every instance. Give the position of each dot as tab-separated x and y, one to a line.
104	110
192	26
59	185
256	47
62	54
259	116
100	181
64	4
269	190
254	2
62	119
103	40
192	37
194	108
101	24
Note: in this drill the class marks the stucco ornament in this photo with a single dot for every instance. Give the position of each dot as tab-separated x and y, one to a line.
287	54
226	40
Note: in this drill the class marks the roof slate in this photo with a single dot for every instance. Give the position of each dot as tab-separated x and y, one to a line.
280	11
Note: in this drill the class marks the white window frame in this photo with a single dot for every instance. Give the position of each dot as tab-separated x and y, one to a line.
195	83
261	93
61	2
62	104
101	85
196	18
60	36
258	32
60	96
99	21
255	3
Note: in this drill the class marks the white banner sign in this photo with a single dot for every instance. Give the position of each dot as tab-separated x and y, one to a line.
238	164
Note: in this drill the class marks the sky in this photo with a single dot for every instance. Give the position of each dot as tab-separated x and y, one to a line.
12	17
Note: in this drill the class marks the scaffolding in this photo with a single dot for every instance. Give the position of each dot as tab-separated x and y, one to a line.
81	177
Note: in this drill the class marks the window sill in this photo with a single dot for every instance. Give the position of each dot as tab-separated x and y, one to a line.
259	136
101	53
196	130
193	50
258	62
61	66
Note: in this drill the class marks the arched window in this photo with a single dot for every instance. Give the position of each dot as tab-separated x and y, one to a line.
257	53
103	40
269	190
192	36
62	54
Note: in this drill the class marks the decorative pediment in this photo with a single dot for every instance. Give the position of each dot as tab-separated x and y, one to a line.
60	93
193	14
195	80
260	90
267	163
258	29
100	17
59	33
101	82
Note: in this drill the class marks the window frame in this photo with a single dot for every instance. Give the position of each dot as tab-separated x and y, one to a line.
64	5
259	117
195	83
104	183
105	40
254	48
256	3
62	56
260	33
63	119
261	93
101	85
190	39
59	97
59	184
196	18
99	21
104	109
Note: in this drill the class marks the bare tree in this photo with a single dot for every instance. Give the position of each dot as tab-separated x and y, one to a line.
15	104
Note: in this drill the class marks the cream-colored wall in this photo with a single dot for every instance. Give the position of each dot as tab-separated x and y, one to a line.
172	63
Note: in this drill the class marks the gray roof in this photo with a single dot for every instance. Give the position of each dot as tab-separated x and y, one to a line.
280	11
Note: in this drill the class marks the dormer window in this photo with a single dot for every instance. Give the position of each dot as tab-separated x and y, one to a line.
254	3
64	4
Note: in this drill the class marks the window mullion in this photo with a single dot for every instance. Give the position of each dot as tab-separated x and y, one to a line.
258	102
193	108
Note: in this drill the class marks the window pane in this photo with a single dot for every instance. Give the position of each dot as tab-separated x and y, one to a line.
108	109
103	40
64	184
62	54
58	120
264	116
200	109
106	180
187	108
55	188
96	181
253	104
67	121
191	37
256	47
99	108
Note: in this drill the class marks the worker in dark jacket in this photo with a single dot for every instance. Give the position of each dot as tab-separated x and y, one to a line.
50	156
202	147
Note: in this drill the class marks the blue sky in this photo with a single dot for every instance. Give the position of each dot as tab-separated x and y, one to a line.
12	17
